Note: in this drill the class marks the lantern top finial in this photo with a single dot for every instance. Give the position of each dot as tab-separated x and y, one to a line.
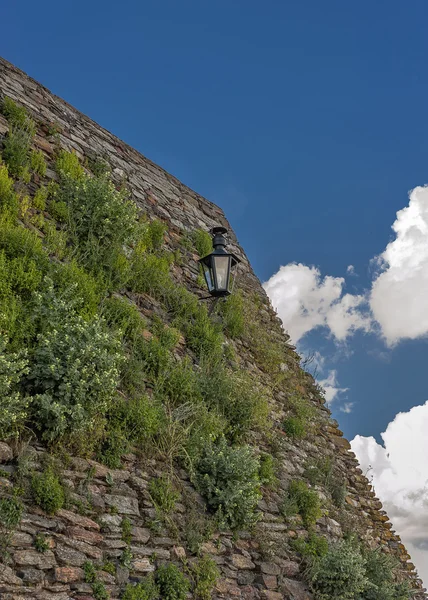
219	240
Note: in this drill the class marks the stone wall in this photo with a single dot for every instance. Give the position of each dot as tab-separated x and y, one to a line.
260	565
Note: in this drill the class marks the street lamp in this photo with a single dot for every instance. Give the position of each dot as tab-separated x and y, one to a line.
219	265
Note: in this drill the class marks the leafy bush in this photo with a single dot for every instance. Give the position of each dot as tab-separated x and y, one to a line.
203	242
40	197
126	526
15	114
294	427
339	574
314	546
98	588
74	369
82	290
381	572
151	235
101	219
306	502
228	478
58	209
144	590
10	512
122	314
319	471
163	493
14	406
233	315
40	543
47	491
177	384
67	165
16	145
149	273
206	574
173	585
267	471
37	162
8	199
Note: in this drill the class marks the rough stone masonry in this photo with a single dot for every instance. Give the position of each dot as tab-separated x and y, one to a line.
247	570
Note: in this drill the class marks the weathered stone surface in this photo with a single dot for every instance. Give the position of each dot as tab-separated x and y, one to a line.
78	519
143	565
140	534
242	562
31	575
270	568
123	504
78	533
295	590
6	453
20	538
41	560
68	574
270	595
8	576
69	556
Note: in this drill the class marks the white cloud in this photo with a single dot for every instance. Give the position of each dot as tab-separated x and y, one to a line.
304	300
351	270
331	387
400	477
399	294
347	407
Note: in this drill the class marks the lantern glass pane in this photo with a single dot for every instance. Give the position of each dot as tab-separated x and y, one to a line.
209	277
222	271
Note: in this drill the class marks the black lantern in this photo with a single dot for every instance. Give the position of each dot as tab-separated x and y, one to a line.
219	265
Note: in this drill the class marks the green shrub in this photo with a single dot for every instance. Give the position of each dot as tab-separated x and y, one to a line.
40	197
233	315
15	114
163	494
8	198
98	588
294	427
203	242
14	406
68	166
319	472
101	219
206	574
126	558
228	479
314	546
126	527
74	369
109	567
173	585
203	336
178	384
10	512
381	572
339	574
149	273
144	590
40	543
267	471
58	210
37	162
305	500
122	314
47	491
151	235
82	290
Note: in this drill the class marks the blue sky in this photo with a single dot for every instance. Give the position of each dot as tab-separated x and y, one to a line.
305	121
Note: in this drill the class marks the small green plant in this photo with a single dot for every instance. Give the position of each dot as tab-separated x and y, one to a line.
126	558
40	197
40	543
206	574
13	367
10	512
267	471
109	567
163	494
202	241
16	146
8	198
47	491
58	210
305	501
228	478
68	165
144	590
37	162
126	526
294	427
91	576
233	315
15	114
381	570
314	546
173	585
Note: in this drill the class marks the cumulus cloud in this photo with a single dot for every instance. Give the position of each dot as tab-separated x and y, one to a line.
347	407
399	472
399	295
396	301
351	270
331	387
305	300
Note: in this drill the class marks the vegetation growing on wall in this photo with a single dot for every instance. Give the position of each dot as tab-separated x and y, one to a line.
83	371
